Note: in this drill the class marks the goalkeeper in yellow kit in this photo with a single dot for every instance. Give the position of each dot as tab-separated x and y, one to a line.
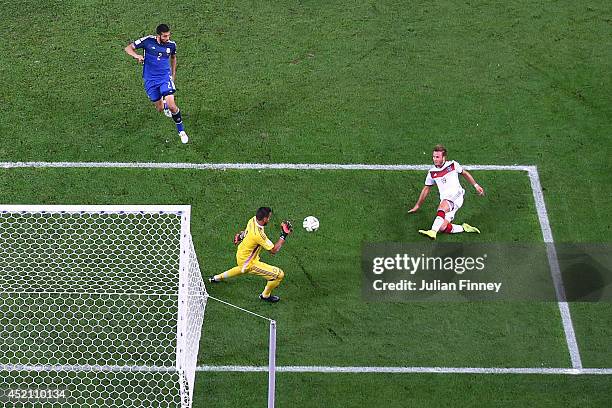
250	243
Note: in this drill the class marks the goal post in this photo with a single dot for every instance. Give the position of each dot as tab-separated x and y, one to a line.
99	305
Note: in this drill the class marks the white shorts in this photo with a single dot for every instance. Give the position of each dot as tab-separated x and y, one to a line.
455	205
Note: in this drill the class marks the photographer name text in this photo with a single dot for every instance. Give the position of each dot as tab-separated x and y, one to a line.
437	286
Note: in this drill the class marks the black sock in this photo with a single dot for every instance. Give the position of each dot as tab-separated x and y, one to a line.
178	119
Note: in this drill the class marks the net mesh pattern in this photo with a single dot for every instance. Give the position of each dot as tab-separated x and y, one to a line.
91	306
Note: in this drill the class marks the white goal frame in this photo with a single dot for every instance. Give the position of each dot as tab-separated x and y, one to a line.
187	295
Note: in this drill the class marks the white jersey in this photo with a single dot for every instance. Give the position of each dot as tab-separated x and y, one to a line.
447	180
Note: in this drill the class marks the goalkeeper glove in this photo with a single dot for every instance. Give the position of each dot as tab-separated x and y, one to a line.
286	229
239	237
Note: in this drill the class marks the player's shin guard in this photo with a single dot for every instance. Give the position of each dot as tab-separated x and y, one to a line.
438	221
178	120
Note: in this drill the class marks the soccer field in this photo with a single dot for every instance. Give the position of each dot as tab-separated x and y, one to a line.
368	83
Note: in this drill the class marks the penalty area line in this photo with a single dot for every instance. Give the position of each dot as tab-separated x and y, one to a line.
555	270
410	370
532	172
252	166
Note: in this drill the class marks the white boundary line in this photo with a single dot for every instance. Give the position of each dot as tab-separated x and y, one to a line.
532	172
566	318
248	166
408	370
312	369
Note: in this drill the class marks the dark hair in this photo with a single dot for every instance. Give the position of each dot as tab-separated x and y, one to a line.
262	213
440	148
162	28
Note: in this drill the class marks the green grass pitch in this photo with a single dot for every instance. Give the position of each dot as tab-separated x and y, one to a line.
513	82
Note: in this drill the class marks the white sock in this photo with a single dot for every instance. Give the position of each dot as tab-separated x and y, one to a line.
437	223
456	229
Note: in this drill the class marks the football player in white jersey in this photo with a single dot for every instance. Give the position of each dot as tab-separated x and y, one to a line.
445	174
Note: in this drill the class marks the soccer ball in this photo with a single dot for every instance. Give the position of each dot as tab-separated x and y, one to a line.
310	223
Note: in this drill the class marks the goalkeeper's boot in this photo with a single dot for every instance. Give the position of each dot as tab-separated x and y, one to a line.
211	279
271	298
469	228
431	234
184	137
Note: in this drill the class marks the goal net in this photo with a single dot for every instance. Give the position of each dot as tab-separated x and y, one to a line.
100	306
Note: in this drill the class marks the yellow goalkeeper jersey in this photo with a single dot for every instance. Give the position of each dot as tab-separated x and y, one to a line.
254	240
